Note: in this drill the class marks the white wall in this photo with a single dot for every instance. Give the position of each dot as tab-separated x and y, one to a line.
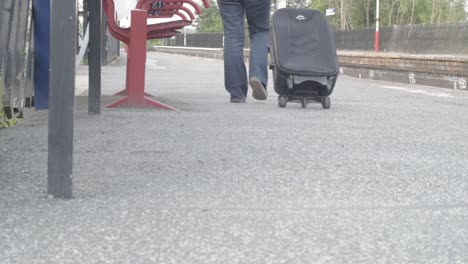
281	3
123	7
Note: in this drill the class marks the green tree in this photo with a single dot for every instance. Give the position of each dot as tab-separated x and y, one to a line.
210	19
400	12
297	3
353	14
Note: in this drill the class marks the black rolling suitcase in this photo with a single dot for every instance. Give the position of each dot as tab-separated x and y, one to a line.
303	57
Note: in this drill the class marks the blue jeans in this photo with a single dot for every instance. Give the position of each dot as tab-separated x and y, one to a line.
258	19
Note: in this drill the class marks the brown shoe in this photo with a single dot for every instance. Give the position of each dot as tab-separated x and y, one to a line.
259	91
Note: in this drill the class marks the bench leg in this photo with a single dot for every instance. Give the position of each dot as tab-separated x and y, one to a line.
124	93
145	102
136	67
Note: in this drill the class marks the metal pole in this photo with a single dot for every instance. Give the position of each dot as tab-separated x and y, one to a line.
41	53
61	99
95	56
85	27
85	13
104	42
343	15
377	24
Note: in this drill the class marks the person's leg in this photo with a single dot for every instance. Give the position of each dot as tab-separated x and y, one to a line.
235	74
258	18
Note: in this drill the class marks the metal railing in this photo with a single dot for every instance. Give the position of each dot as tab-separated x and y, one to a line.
203	40
415	39
17	58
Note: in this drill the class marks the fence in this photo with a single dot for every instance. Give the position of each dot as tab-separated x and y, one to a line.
111	48
416	39
204	40
16	57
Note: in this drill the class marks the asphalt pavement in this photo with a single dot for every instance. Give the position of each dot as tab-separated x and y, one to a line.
380	177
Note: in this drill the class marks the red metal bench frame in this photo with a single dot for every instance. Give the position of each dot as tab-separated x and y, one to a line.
135	37
172	9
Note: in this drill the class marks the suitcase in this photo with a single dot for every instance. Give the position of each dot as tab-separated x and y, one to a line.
303	57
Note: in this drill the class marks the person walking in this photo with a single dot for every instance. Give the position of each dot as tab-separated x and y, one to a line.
257	13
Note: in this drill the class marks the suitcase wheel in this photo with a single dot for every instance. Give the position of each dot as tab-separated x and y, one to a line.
304	102
326	102
282	101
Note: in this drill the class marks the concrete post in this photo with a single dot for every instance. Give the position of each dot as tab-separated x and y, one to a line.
61	99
